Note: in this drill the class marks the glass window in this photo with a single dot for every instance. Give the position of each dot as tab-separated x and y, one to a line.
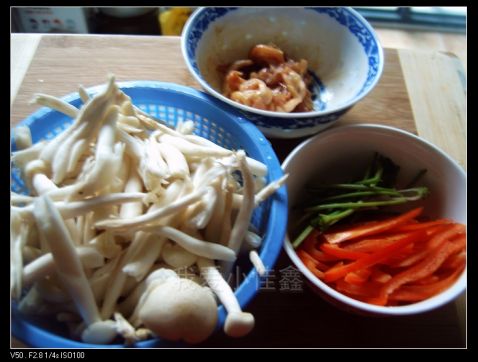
438	18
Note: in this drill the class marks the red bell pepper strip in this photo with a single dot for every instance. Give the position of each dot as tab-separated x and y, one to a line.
416	293
309	245
379	276
374	258
303	255
308	262
377	227
358	277
455	261
421	270
423	225
451	231
365	290
342	253
370	245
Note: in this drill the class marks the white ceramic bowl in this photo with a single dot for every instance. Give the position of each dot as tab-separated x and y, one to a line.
341	48
346	150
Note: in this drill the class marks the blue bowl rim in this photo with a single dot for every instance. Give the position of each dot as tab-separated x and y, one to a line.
37	337
187	30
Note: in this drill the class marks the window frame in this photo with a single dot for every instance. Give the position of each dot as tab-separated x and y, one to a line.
410	18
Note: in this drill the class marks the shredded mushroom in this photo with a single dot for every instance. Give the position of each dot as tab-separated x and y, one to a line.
118	202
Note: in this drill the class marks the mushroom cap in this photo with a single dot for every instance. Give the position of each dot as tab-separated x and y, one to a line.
176	256
238	324
102	332
180	309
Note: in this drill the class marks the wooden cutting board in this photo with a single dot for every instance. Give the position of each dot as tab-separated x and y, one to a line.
423	93
61	63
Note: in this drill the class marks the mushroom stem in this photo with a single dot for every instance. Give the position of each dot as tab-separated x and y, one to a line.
43	185
93	110
22	137
20	199
242	222
143	255
76	208
68	265
243	218
85	97
257	262
194	245
238	323
45	265
189	149
55	103
139	221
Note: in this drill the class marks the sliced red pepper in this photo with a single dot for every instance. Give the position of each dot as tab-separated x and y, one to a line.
370	245
449	231
302	254
407	252
379	276
358	277
454	261
423	225
412	259
427	280
309	245
416	293
366	290
311	266
374	258
367	229
438	235
342	253
421	270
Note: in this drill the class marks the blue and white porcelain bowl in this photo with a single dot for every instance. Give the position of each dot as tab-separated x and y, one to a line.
340	46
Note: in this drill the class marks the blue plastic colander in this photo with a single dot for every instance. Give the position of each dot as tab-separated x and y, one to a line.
171	103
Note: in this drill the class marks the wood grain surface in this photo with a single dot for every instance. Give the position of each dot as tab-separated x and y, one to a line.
442	91
62	63
417	93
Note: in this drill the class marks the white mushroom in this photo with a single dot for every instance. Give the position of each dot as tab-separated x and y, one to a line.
194	245
145	254
257	168
85	97
242	222
151	217
238	323
180	309
252	240
108	157
22	137
55	103
20	199
101	332
186	127
18	238
167	199
44	265
128	332
154	279
77	208
189	149
257	262
177	256
67	262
